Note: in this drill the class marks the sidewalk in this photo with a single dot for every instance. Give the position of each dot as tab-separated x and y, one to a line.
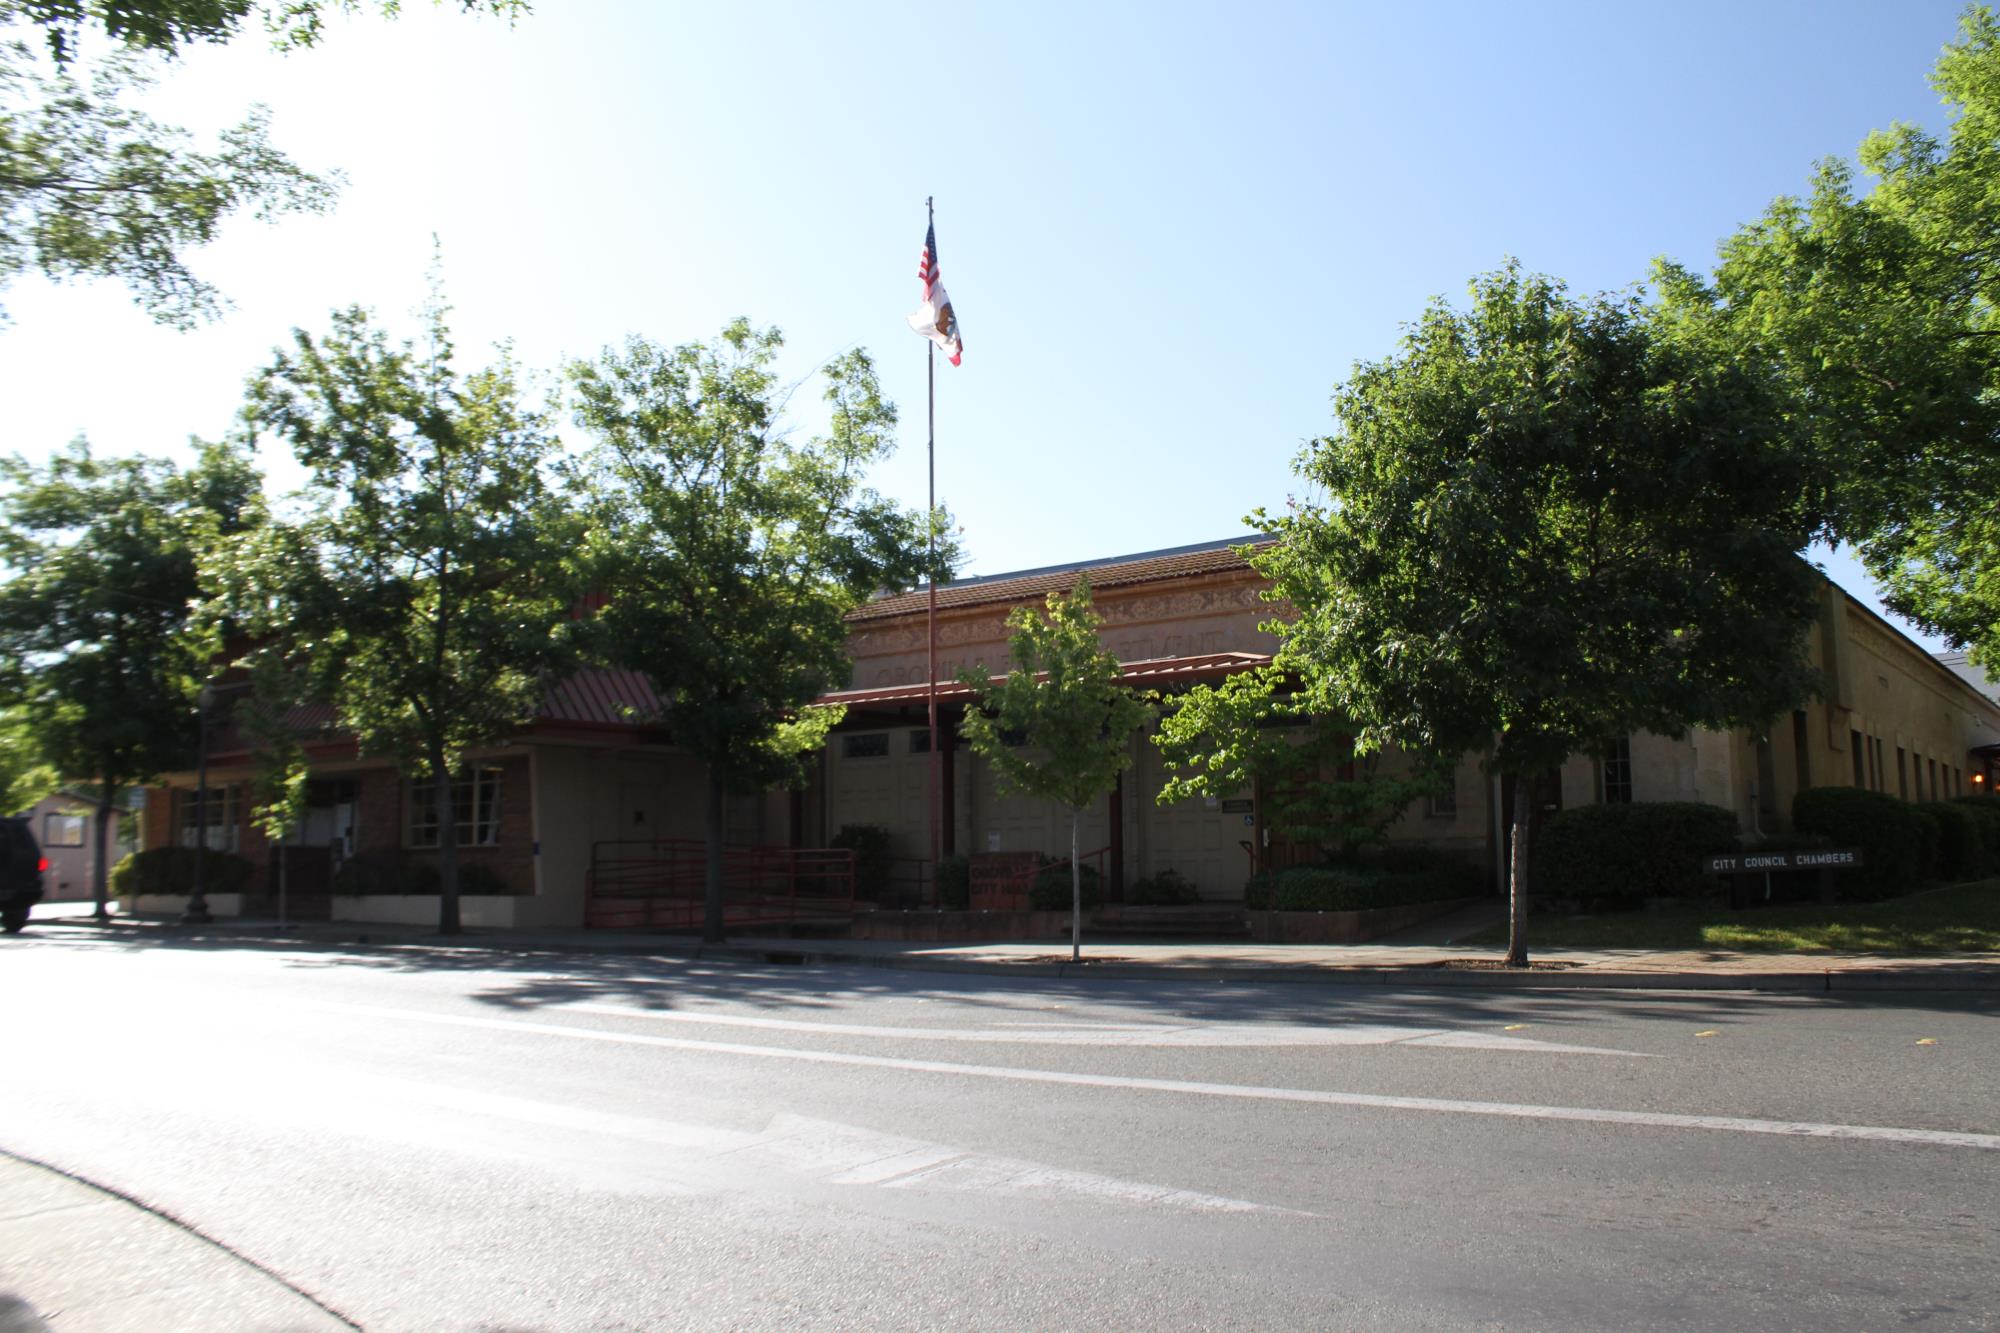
1434	962
77	1259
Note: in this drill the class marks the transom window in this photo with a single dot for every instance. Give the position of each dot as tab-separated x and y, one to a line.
865	745
475	805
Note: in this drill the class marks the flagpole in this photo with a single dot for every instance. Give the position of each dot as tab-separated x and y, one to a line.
930	614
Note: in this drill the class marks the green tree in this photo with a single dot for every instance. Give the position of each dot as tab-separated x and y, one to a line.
1058	726
92	188
421	587
729	554
1882	312
1546	524
25	776
1252	731
99	651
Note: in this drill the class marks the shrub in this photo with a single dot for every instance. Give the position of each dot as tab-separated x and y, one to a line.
1166	889
1453	875
1345	888
1631	851
870	844
1961	847
170	871
1050	891
1896	839
384	871
954	883
1985	812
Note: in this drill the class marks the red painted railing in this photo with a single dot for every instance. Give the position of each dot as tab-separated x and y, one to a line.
1001	880
662	884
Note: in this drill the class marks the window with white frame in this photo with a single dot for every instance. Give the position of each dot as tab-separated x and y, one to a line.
209	819
63	830
475	805
1615	784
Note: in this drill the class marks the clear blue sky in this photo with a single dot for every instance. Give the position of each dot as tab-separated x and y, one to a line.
1169	229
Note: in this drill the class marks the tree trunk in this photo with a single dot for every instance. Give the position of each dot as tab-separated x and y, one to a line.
100	870
447	822
711	832
1075	892
1517	875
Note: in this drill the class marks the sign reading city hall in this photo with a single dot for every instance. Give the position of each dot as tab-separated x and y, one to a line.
1814	858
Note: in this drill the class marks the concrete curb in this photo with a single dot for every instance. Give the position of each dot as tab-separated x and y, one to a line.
1856	976
74	1254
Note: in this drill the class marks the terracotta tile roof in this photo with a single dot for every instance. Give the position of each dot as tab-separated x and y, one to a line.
1035	584
1152	671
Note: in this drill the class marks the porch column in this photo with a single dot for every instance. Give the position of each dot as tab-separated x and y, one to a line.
948	794
1115	890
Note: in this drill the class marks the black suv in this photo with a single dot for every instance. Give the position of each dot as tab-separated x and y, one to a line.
21	867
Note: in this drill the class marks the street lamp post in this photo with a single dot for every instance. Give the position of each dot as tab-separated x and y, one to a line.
197	909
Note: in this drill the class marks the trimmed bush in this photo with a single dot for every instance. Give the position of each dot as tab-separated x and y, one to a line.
392	872
1166	889
1897	840
1050	891
1961	846
1631	851
1985	812
954	883
1345	888
170	871
870	844
1453	874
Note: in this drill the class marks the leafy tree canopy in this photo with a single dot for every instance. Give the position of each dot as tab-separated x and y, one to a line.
1061	704
1547	523
729	552
92	188
1882	311
1252	732
99	655
422	588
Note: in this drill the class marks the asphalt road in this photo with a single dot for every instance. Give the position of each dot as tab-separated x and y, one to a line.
424	1140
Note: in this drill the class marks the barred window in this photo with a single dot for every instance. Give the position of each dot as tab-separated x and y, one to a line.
475	805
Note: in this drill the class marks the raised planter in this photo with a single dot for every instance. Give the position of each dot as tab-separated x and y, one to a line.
1345	927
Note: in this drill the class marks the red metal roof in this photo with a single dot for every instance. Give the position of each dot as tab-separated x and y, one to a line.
1151	671
602	698
1117	572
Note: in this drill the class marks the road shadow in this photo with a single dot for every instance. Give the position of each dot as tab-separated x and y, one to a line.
518	978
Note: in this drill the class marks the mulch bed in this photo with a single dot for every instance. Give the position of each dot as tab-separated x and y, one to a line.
1496	965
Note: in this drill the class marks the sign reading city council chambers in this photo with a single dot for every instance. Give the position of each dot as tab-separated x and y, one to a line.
1813	858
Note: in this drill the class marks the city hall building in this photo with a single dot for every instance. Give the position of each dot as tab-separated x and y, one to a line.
584	789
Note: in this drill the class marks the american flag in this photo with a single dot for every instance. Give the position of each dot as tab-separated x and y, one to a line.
935	319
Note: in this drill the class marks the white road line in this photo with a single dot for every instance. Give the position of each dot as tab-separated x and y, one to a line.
1124	1034
1314	1096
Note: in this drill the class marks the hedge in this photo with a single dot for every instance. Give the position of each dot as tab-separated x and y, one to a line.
391	872
1985	812
1631	850
954	883
169	871
1051	890
1898	841
1346	889
1961	845
870	844
1169	888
